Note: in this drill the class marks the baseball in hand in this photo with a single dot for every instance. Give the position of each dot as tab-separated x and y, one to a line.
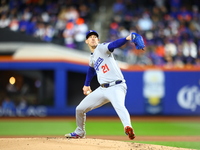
88	92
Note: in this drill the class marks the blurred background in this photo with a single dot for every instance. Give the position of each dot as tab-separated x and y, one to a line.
43	57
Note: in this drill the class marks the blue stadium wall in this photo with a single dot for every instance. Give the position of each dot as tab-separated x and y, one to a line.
150	91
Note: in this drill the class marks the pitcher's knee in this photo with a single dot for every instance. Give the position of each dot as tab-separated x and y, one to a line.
79	110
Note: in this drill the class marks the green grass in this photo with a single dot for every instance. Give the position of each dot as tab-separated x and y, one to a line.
168	128
146	128
57	127
36	127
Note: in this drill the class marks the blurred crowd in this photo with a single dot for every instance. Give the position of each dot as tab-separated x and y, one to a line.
63	22
170	28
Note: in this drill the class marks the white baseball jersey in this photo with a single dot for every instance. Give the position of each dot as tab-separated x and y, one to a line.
105	65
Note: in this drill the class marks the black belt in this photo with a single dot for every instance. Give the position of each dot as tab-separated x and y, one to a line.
106	85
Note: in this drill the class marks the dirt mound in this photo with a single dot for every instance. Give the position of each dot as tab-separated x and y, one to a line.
55	143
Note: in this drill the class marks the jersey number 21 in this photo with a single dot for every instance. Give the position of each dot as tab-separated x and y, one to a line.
105	68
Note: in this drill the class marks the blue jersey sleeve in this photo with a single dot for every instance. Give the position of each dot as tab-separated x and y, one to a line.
90	74
116	44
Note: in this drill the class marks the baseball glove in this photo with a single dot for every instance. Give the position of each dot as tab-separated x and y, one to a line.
137	40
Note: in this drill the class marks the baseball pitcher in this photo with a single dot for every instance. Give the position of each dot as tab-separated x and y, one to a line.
112	83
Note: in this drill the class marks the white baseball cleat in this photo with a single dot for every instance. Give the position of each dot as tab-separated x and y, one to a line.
73	135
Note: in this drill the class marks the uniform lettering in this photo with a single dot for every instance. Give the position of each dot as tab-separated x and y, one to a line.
98	63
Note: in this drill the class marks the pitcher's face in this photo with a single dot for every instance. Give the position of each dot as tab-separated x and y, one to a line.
92	41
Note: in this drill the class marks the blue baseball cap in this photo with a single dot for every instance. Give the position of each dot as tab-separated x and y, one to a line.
91	32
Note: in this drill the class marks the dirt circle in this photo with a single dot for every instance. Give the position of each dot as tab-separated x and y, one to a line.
56	143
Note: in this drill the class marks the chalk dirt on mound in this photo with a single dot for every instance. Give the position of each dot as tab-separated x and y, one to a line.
82	144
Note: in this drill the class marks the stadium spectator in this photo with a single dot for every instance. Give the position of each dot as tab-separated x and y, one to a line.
145	23
170	47
14	24
80	30
84	13
23	24
4	7
157	20
68	35
71	14
4	21
40	30
175	3
44	19
49	33
31	27
118	7
189	49
179	59
161	21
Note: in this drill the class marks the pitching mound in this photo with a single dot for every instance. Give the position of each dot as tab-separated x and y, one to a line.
54	143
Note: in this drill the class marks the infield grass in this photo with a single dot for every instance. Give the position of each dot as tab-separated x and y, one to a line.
60	127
